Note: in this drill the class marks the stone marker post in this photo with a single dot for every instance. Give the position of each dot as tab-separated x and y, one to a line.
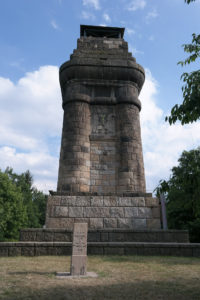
79	249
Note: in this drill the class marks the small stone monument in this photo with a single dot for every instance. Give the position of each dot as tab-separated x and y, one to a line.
79	249
79	254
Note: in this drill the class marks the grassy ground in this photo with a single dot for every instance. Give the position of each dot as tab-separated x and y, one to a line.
119	277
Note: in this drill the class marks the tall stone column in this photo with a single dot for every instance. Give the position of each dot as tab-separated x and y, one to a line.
74	166
131	176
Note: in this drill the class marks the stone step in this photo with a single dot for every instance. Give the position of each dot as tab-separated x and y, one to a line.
106	235
101	248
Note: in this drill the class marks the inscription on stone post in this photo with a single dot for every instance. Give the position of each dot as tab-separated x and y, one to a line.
79	249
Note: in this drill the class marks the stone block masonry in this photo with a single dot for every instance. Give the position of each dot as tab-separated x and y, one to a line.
103	212
101	149
101	156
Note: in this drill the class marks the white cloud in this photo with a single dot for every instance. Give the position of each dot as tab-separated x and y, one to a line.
136	4
87	15
151	15
30	127
162	143
106	17
130	31
54	25
93	3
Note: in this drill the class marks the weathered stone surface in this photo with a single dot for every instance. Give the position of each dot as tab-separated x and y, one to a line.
131	212
91	127
110	201
101	172
14	251
156	212
61	223
99	207
141	248
76	212
97	201
124	223
153	224
139	224
75	201
60	211
95	212
144	212
110	235
96	223
79	249
149	201
110	222
116	212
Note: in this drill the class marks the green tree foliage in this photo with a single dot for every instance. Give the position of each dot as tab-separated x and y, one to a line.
13	213
182	192
189	110
21	204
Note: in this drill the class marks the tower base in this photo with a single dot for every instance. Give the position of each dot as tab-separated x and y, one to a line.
131	211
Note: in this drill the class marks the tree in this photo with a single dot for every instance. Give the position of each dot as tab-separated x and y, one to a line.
13	214
182	192
189	110
21	204
34	200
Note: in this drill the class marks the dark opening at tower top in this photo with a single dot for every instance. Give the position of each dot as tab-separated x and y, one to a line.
102	31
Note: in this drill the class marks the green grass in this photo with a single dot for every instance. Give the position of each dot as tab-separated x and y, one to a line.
119	277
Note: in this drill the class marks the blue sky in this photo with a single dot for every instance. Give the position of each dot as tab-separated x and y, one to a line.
37	36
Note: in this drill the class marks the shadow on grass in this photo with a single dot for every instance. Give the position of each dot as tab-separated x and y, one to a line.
142	290
31	273
169	260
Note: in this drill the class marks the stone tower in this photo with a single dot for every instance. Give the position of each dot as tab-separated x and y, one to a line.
101	172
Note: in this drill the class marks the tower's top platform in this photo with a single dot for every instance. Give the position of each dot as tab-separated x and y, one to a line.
101	31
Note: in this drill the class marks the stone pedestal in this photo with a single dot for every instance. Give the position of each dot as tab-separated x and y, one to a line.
131	212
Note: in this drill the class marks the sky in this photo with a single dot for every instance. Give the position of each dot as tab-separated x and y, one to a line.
37	36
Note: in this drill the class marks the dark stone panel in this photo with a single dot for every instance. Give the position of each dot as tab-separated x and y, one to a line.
94	236
28	250
104	236
95	250
62	237
4	250
14	251
114	250
131	251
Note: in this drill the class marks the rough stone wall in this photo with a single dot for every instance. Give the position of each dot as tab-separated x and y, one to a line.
103	212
